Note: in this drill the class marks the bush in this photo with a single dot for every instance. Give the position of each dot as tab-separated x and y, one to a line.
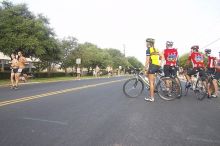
5	75
52	74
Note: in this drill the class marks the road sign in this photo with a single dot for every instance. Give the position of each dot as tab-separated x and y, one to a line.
78	61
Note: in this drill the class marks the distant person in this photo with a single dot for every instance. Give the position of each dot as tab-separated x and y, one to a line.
21	64
94	73
78	72
108	71
97	70
14	70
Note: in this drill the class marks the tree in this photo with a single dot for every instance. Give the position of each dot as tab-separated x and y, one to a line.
51	56
135	63
118	58
67	45
20	29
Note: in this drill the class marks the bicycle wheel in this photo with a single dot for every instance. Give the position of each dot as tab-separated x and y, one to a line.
168	88
200	90
180	87
133	87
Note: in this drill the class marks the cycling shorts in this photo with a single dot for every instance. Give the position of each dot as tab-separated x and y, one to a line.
194	71
153	69
211	71
169	70
14	70
217	76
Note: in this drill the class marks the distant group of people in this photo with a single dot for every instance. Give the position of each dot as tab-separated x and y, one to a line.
97	71
17	66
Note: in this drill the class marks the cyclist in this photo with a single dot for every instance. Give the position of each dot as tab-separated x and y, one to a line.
197	60
152	65
216	77
170	56
211	61
211	71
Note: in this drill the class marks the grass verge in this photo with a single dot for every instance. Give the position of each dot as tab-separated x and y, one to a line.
43	80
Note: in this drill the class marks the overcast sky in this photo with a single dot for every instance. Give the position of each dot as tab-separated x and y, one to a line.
112	23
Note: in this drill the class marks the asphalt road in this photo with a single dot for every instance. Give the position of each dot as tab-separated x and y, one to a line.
96	113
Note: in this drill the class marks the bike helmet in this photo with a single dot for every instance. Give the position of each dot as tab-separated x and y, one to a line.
195	47
169	44
150	40
208	51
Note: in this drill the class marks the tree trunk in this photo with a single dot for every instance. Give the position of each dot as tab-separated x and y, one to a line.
49	69
65	69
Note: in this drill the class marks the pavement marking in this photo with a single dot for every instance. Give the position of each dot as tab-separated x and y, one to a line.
23	99
48	121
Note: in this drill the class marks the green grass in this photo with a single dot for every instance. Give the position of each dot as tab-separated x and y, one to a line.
43	80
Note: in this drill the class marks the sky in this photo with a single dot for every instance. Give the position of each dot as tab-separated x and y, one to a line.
126	24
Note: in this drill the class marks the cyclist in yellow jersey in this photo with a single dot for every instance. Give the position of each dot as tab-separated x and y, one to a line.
152	65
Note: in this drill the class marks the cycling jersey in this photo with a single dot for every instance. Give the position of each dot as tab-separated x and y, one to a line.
211	61
170	56
218	64
154	55
197	59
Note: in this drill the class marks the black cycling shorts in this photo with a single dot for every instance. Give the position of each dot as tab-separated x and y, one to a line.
211	71
153	69
170	70
14	70
194	71
217	75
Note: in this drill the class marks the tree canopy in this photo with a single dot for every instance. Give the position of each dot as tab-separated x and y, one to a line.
22	30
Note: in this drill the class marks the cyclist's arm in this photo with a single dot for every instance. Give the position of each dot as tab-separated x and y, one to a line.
147	59
162	58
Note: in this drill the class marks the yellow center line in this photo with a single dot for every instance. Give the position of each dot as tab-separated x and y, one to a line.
23	99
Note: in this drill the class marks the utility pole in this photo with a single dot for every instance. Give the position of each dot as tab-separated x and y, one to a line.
124	55
124	48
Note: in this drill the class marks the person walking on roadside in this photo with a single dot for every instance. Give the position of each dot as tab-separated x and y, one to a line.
14	70
78	72
152	65
108	71
97	70
21	65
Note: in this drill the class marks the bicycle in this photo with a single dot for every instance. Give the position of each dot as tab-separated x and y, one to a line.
166	87
197	86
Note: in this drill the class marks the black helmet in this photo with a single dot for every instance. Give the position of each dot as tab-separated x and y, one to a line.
169	44
195	47
208	51
150	40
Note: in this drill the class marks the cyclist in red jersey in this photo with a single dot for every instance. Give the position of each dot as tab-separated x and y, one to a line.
197	60
211	61
170	55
